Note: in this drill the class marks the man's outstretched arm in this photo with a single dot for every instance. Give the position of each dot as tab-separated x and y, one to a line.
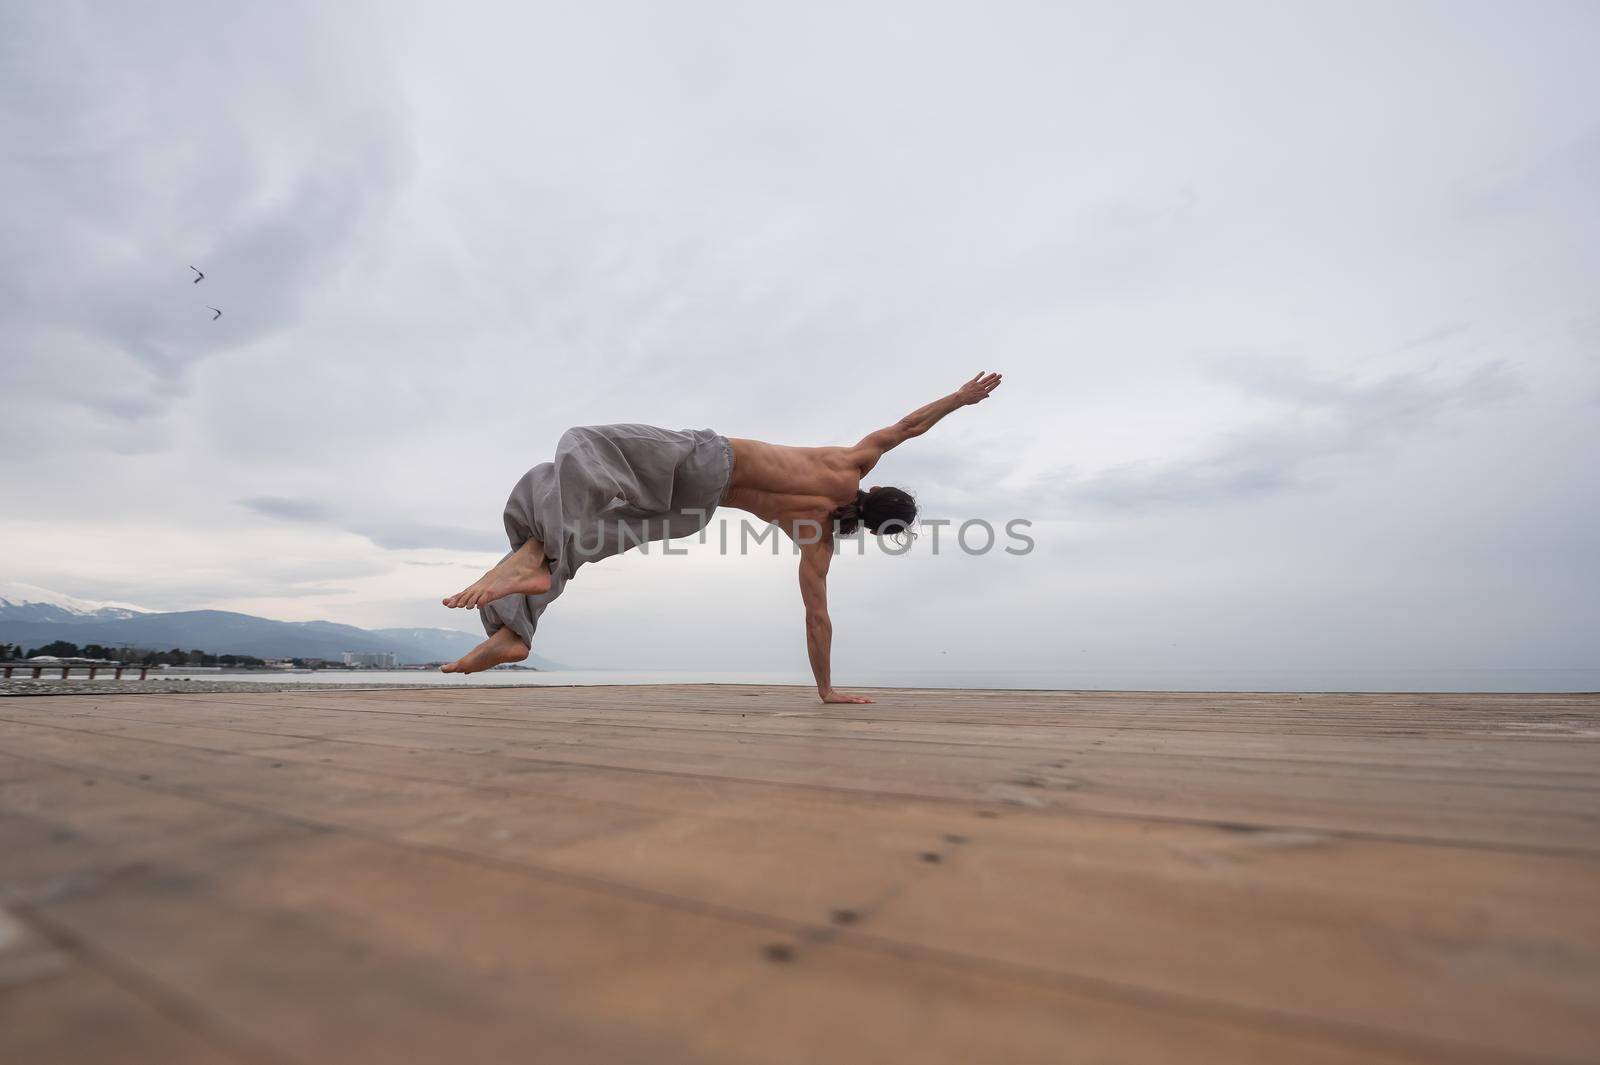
814	561
919	421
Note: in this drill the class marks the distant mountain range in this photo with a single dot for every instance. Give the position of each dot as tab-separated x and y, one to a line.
34	616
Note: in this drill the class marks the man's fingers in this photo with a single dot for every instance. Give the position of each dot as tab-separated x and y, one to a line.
978	389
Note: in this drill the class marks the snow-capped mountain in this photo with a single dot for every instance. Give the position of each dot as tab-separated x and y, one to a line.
29	602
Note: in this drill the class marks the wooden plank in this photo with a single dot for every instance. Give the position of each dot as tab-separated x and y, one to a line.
81	1017
56	1010
1038	896
1458	760
1225	711
1081	780
337	949
1461	943
1238	715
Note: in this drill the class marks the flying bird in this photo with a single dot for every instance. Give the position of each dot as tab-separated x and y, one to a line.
214	317
198	276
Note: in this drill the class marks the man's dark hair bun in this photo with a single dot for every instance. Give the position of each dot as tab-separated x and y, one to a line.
882	510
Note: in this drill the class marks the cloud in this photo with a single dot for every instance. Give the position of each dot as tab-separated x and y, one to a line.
291	509
389	535
436	248
1436	335
133	166
400	536
1325	418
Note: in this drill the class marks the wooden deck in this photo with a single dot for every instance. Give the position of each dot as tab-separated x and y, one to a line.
731	874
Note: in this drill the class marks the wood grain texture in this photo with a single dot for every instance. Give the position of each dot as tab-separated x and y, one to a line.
710	873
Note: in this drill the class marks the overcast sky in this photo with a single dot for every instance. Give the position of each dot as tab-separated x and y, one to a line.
1298	307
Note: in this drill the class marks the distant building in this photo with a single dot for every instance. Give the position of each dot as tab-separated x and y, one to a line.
369	659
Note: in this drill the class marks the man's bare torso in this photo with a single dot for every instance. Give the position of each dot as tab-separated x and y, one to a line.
783	485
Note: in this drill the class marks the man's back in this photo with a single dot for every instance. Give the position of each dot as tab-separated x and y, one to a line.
783	484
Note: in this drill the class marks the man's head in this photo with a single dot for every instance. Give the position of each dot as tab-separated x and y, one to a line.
884	511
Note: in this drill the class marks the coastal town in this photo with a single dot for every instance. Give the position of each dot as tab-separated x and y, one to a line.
63	659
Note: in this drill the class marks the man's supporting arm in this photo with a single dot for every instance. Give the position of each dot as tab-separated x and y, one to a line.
814	561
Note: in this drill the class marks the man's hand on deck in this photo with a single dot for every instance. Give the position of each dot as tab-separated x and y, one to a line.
832	696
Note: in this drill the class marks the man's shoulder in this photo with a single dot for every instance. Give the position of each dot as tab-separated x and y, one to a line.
838	456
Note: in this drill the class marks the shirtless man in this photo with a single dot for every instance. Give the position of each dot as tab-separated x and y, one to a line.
811	493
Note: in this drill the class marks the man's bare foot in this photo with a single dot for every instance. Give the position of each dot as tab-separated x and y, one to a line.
522	572
503	646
